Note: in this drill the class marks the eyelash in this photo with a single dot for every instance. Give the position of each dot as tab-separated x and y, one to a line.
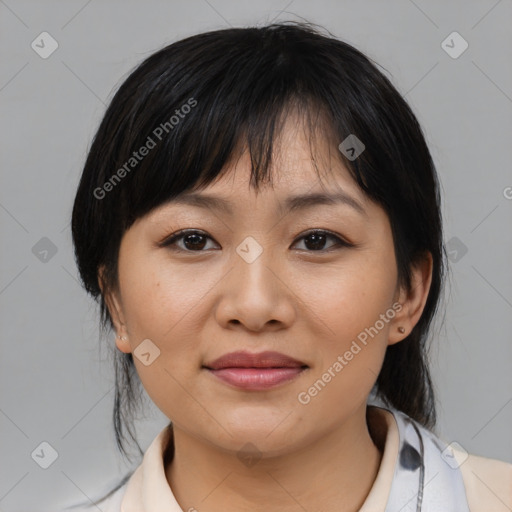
170	242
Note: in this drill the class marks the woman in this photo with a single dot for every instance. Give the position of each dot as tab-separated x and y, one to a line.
259	217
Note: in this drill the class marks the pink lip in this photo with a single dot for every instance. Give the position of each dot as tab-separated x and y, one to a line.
241	359
256	378
255	371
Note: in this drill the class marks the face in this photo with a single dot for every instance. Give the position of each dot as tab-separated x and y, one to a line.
254	276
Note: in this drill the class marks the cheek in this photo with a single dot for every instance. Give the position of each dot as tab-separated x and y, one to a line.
159	295
162	303
354	305
351	344
351	297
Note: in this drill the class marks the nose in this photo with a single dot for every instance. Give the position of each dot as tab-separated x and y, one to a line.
255	295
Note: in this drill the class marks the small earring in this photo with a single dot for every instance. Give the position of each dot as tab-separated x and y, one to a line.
401	329
124	338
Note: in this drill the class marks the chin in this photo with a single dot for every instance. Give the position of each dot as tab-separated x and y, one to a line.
270	435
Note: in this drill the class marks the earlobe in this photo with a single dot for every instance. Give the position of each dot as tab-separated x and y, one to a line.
397	333
122	344
116	313
412	301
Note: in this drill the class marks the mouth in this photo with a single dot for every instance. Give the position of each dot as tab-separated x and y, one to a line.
255	371
256	378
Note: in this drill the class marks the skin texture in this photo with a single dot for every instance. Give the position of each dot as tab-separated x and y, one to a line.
294	298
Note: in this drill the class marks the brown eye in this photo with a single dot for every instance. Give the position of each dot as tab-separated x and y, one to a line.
315	241
197	241
192	241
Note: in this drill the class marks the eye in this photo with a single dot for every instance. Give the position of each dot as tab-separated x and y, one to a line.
193	240
197	241
315	241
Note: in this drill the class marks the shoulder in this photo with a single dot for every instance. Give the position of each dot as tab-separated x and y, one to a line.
488	482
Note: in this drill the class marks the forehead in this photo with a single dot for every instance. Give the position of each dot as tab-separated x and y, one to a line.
305	168
295	188
302	161
288	177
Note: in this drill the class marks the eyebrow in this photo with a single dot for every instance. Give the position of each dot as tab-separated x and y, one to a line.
291	203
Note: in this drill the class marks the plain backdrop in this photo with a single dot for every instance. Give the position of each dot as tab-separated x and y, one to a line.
56	385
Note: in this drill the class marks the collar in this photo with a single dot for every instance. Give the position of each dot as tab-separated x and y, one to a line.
413	475
426	473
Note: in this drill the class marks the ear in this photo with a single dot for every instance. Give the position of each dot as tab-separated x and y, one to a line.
412	301
114	305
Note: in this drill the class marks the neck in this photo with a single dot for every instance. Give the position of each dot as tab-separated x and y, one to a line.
333	473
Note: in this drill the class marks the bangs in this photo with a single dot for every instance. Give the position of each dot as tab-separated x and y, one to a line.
193	107
191	150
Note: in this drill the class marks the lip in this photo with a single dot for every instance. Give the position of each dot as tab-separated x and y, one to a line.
242	359
257	378
255	371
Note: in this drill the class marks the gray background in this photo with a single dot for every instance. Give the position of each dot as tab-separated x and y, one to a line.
56	383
